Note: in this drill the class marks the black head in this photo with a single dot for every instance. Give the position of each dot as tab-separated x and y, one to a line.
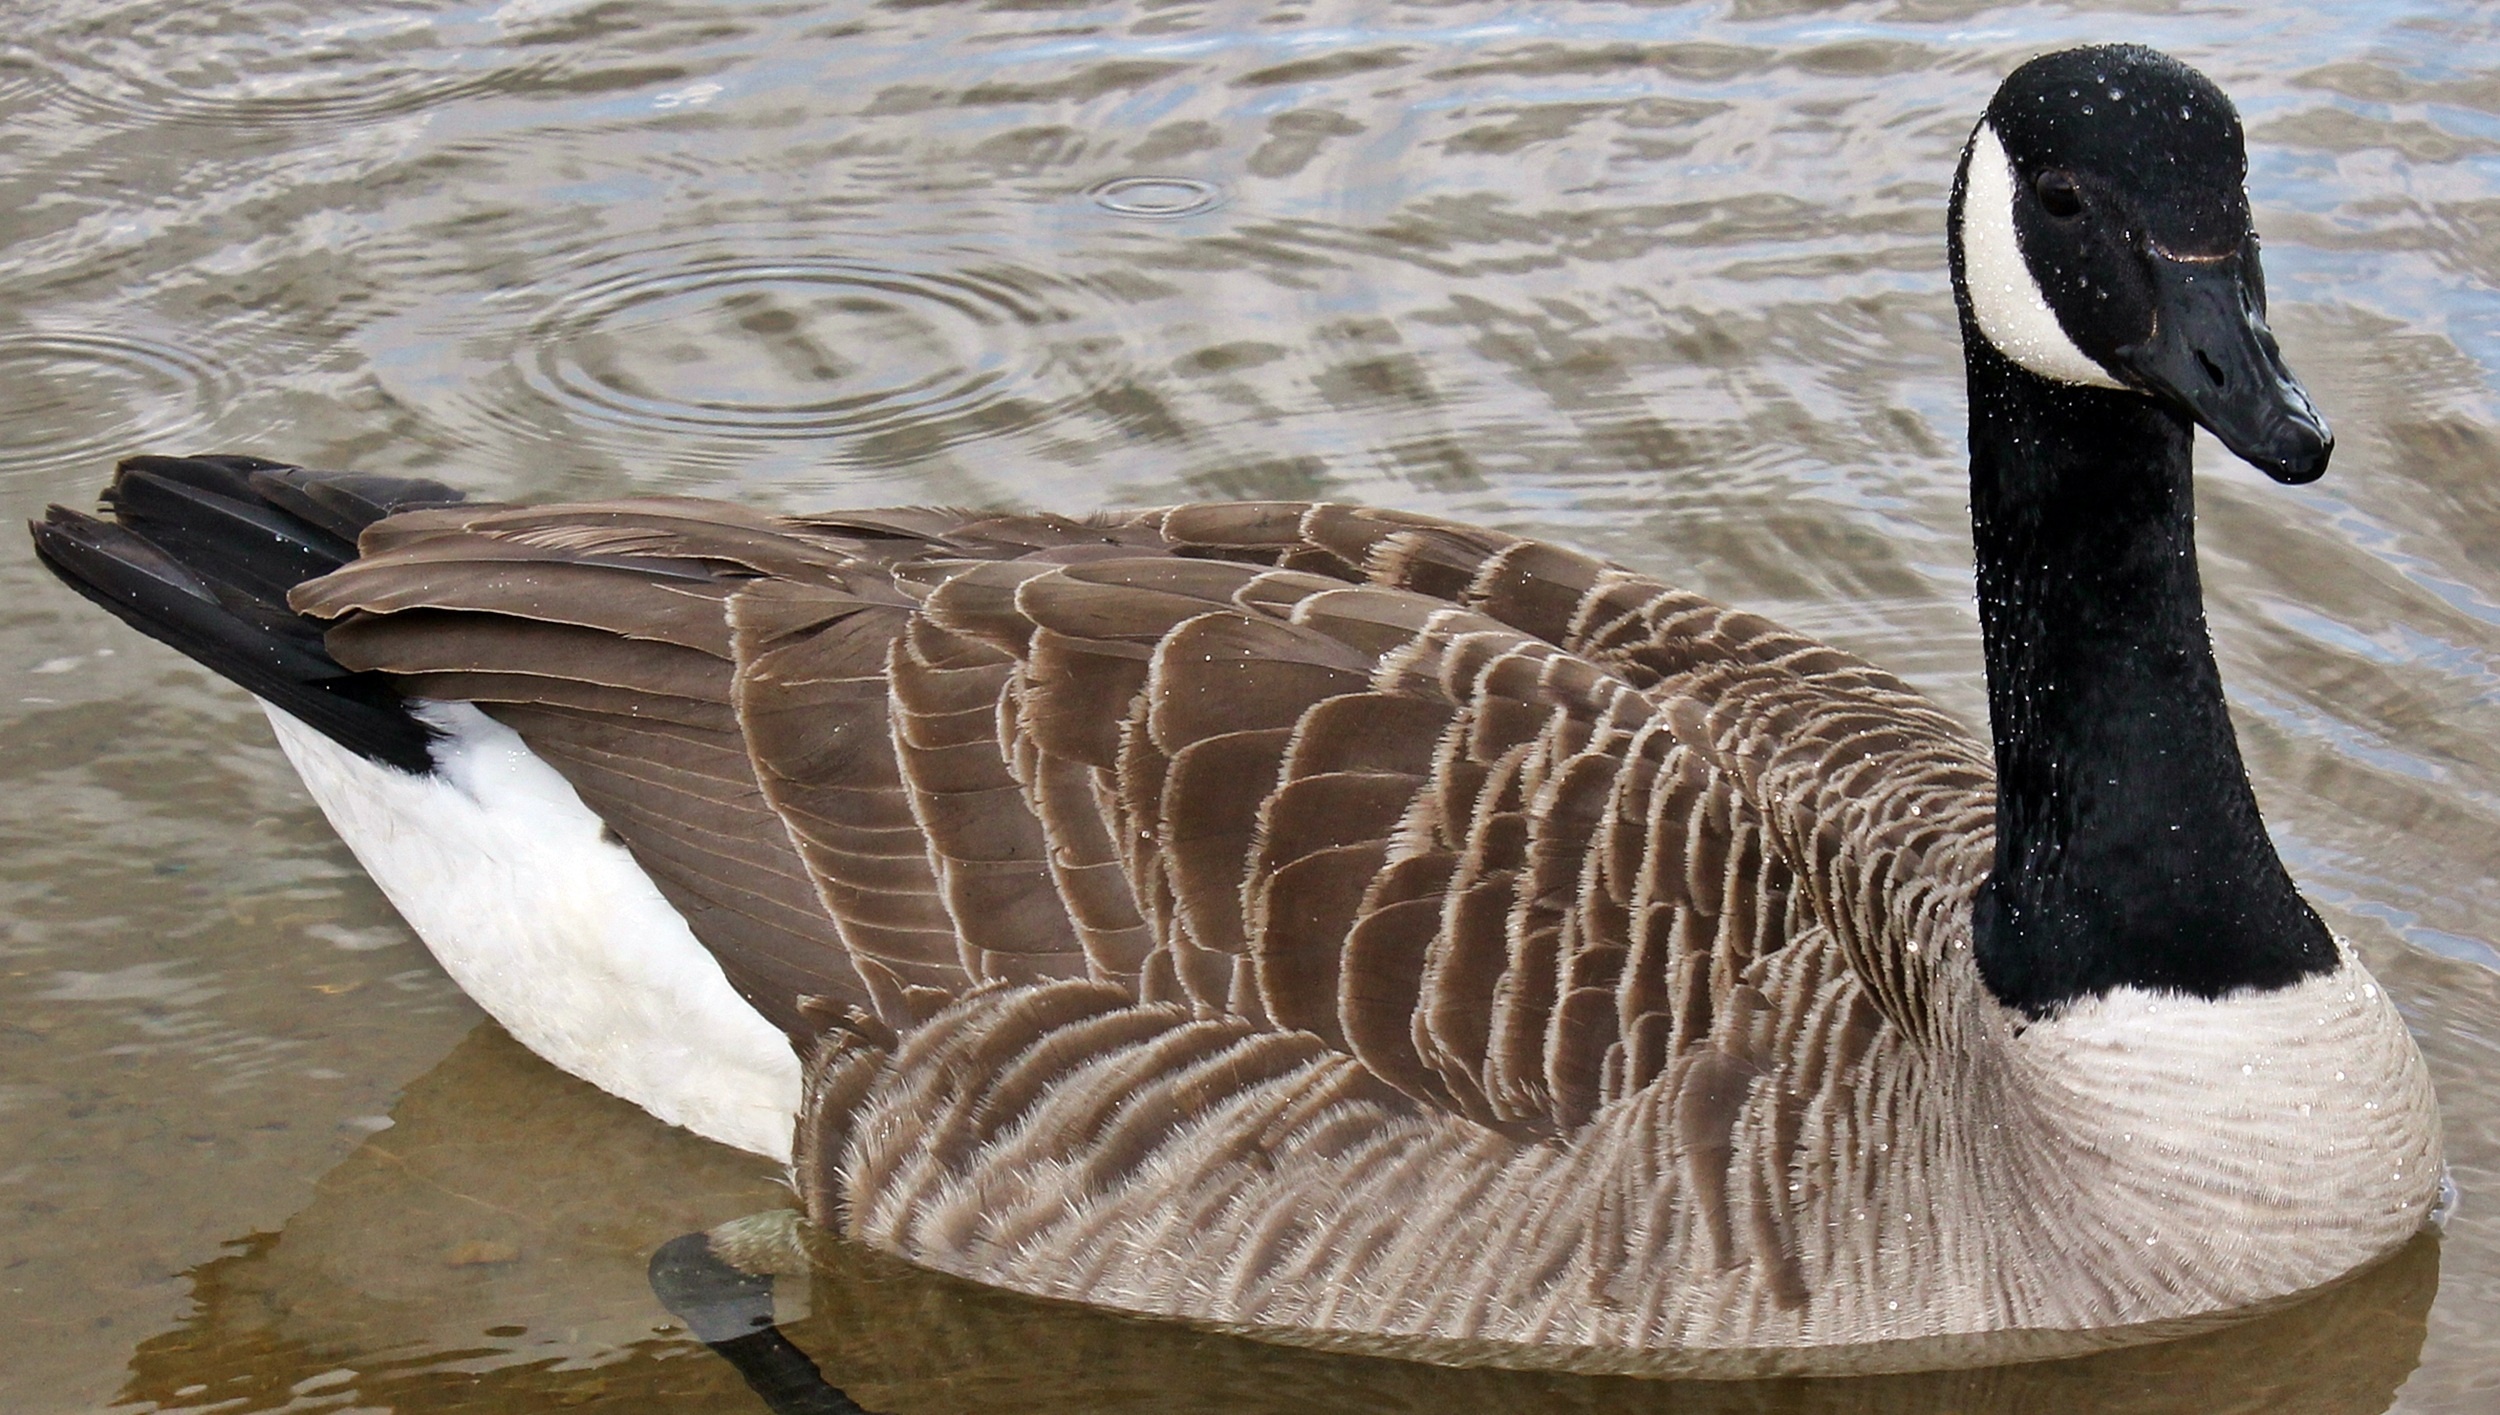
2101	237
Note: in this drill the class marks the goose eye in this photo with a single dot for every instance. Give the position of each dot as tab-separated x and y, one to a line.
2058	194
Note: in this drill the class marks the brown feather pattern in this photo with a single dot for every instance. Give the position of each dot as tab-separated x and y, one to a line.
1304	919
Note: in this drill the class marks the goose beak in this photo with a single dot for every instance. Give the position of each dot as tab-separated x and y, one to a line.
2211	353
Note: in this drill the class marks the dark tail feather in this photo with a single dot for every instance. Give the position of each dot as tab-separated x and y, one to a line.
199	554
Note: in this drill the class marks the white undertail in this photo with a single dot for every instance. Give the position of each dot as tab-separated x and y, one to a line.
552	927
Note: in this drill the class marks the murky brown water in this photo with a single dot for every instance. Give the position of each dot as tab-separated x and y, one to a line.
1664	281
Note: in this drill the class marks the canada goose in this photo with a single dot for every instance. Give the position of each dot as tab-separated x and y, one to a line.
1355	929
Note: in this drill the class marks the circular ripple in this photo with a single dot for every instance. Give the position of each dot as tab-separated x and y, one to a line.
81	397
898	362
376	93
283	67
1155	198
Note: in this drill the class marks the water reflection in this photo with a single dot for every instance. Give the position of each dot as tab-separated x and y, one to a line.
485	1251
2344	1354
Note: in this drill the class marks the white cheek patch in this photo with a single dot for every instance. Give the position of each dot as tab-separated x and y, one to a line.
2004	297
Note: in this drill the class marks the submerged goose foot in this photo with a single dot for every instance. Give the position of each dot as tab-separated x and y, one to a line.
730	1310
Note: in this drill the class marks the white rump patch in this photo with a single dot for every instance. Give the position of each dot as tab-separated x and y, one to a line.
553	928
2004	297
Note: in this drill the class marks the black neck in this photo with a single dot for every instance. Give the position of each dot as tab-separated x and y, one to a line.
2129	850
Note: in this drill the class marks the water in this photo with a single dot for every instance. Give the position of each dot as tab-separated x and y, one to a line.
1663	281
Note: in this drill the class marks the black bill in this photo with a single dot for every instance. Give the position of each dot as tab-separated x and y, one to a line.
2211	353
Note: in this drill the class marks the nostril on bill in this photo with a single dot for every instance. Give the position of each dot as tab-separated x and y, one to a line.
2211	370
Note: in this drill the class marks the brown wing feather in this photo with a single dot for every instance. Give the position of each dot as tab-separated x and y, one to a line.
599	633
811	692
1519	836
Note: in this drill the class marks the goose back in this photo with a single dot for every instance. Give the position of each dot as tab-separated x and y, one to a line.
1009	750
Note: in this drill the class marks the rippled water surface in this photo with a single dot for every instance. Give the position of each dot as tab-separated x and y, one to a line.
1665	281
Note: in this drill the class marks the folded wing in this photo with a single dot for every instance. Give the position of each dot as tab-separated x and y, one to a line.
1514	829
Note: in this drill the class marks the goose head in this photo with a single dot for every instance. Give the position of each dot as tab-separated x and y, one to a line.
2101	239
